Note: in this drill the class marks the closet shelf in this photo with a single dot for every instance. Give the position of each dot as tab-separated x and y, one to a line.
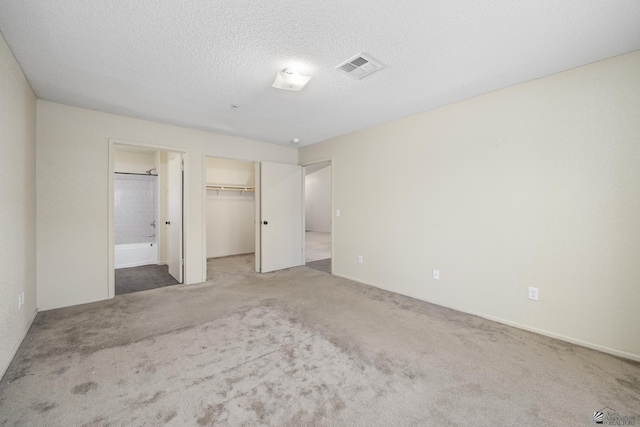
223	187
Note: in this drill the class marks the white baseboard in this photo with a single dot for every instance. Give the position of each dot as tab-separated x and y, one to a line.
598	347
53	307
6	363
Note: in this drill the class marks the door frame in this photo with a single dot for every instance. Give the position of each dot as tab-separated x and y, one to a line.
333	210
113	144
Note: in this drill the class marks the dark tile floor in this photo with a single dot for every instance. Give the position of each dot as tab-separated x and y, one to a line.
321	265
143	278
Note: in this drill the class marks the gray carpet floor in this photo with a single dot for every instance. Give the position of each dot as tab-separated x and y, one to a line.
321	265
143	278
299	347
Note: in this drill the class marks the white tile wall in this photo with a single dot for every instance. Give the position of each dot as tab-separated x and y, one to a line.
135	208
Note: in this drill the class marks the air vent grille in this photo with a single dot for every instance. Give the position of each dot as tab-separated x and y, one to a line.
348	68
359	66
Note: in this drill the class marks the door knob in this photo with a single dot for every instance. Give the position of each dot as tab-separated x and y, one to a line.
168	222
265	222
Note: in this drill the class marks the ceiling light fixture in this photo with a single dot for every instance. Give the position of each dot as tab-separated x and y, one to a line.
295	141
290	79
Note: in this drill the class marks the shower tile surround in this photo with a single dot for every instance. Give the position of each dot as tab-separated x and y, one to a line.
135	208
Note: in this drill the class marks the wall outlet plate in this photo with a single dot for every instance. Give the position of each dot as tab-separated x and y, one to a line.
436	274
533	293
359	259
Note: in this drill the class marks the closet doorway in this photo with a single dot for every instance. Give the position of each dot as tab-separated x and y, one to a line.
318	216
230	213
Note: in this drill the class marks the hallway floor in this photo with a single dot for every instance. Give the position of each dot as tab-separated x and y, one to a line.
317	246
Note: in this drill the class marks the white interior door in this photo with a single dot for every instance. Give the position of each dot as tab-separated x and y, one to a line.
280	222
174	216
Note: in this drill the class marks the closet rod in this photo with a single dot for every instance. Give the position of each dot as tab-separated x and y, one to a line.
219	188
230	188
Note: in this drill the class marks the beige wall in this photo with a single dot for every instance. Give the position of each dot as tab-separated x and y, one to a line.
317	200
17	205
229	171
128	161
73	194
534	185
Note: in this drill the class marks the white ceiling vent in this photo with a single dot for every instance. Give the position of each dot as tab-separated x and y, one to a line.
359	66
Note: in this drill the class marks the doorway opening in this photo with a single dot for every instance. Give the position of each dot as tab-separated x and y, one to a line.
147	218
254	211
229	213
318	216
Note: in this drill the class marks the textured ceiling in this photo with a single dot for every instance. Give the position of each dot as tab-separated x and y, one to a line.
187	62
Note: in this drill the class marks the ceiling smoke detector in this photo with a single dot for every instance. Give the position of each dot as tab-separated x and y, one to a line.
359	66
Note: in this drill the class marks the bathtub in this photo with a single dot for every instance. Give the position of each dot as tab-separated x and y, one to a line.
135	254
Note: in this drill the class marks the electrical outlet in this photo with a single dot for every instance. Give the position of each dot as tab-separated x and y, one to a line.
359	259
338	213
436	274
533	293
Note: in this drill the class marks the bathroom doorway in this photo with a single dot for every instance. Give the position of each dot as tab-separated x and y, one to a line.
147	218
